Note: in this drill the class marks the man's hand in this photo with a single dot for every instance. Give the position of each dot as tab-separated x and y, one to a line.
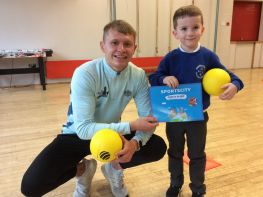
129	148
171	81
229	92
146	124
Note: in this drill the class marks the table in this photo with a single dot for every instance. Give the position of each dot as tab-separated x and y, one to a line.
41	56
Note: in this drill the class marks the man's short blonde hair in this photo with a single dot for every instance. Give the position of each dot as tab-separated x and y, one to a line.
120	26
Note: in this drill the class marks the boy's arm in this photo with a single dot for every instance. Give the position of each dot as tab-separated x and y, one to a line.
234	78
229	91
156	79
236	81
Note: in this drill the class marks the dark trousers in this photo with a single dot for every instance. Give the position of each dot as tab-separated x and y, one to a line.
194	133
57	162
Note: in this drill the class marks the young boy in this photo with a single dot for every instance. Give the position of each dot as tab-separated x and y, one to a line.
188	64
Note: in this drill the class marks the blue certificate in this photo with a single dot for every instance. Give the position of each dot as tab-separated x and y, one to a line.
181	104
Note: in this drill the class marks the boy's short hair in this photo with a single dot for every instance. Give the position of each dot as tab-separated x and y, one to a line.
189	10
120	26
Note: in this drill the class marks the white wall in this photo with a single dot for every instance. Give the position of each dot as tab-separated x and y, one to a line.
164	27
258	59
72	28
224	31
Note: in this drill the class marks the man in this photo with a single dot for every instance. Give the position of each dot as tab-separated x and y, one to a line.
100	91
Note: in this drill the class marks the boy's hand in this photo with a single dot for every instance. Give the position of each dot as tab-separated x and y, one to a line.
229	93
171	81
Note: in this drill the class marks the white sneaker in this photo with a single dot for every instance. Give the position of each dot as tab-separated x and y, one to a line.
115	178
84	181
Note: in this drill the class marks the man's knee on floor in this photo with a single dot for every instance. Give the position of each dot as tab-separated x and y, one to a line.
161	147
28	187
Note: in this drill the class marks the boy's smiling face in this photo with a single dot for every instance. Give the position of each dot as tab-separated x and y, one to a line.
189	31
